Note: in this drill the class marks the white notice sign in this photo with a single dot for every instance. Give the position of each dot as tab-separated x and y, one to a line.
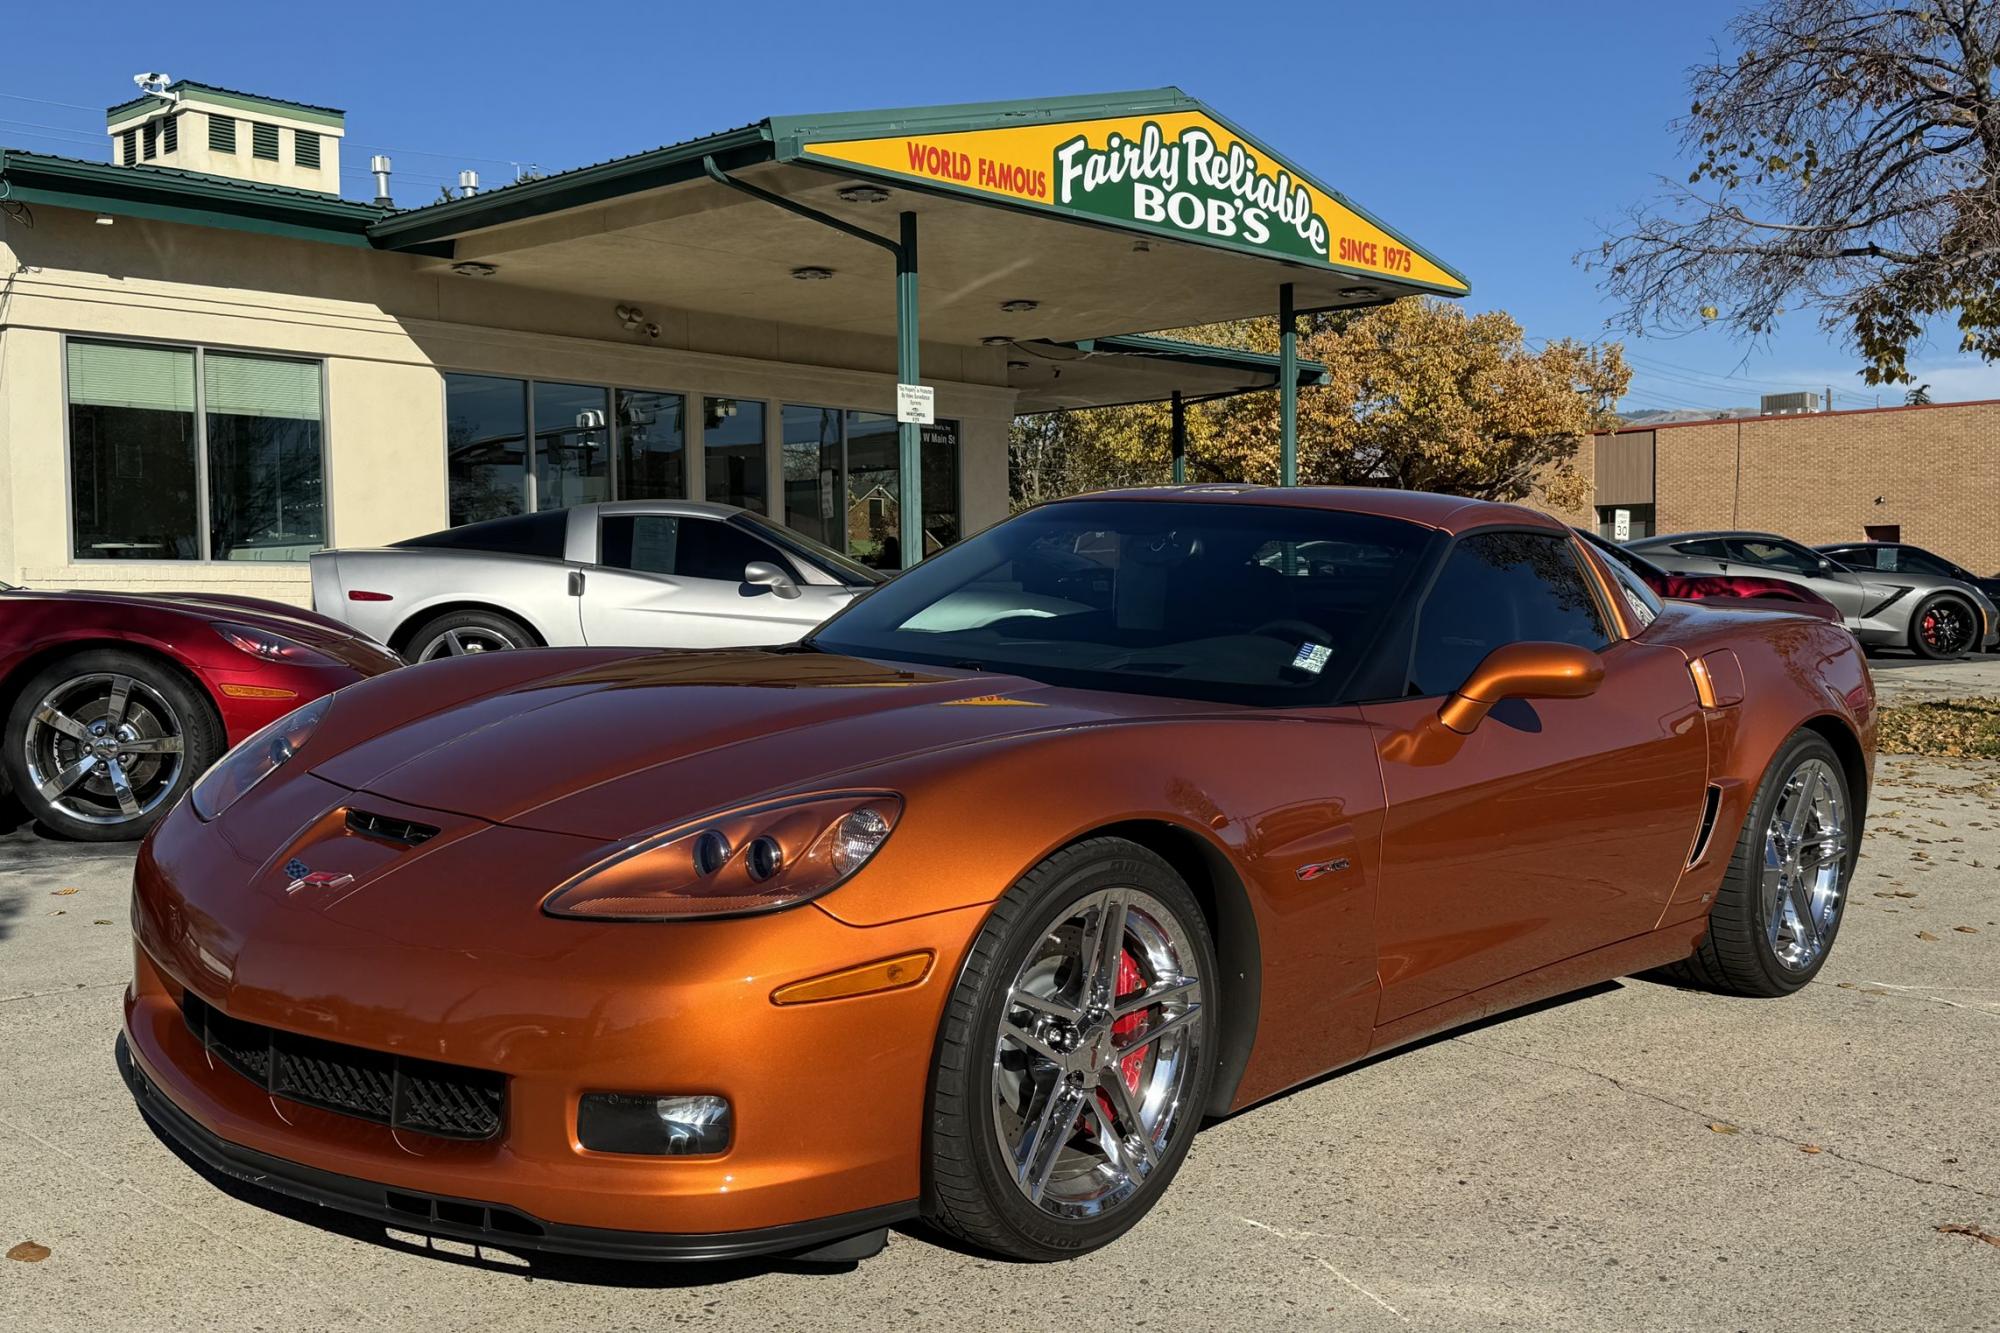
1621	525
916	403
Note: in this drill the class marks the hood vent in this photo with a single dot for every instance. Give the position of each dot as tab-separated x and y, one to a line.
388	828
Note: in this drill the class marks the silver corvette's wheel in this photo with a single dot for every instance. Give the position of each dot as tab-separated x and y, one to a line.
1805	848
466	634
459	642
1095	1044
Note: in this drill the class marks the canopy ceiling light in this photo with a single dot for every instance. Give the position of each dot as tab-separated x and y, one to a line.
472	268
995	340
812	273
864	194
1019	307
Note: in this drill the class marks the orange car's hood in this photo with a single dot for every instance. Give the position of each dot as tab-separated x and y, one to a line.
622	746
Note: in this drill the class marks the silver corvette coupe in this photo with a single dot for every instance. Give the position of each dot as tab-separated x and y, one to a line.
1930	615
636	573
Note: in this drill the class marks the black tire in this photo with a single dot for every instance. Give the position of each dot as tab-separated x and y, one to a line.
969	1188
1737	956
160	702
463	632
1940	604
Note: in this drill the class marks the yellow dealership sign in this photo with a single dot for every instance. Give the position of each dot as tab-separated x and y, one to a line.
1177	173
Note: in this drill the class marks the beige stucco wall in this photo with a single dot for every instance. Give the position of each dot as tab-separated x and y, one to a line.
191	151
386	329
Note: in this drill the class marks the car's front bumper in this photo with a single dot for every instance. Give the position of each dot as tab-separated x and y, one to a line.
450	960
493	1224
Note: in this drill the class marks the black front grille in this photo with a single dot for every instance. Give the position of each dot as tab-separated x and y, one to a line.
449	1101
390	829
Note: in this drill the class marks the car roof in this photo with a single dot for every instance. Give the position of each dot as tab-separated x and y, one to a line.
1660	538
696	508
1447	513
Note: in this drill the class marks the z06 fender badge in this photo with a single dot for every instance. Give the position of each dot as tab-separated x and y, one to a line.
304	876
1318	868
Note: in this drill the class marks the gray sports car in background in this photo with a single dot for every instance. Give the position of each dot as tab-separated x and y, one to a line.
1930	615
637	573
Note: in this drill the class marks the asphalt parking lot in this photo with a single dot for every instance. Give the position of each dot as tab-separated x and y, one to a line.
1633	1156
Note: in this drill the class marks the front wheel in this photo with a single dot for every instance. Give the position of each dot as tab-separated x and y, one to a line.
1075	1056
1944	626
98	746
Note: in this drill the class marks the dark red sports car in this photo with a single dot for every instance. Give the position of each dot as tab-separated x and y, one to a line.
1754	591
114	703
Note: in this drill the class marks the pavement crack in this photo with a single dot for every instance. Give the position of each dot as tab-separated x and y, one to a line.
1294	1237
60	990
1754	1131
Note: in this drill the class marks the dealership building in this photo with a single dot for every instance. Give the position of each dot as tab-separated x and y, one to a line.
212	364
1929	475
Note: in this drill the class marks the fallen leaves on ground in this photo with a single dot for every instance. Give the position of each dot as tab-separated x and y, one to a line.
1811	1147
1947	729
1966	930
1722	1127
27	1252
1926	935
62	893
1949	1229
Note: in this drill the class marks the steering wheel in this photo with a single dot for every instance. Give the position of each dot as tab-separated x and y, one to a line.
1291	631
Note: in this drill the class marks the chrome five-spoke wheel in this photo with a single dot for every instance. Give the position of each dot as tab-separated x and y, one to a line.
1092	1058
1805	849
104	748
1077	1055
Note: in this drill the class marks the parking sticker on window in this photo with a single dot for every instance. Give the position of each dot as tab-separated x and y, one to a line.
1312	657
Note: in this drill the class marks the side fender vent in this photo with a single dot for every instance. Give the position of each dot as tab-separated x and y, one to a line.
389	829
1711	805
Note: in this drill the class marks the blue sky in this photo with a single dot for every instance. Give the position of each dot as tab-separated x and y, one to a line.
1497	135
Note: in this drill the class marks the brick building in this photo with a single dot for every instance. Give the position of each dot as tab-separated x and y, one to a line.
1928	475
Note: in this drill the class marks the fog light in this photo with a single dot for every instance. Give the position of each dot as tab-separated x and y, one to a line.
653	1124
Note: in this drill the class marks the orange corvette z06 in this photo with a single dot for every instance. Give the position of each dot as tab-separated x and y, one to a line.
1128	812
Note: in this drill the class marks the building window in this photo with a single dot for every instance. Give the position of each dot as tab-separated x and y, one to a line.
733	451
652	445
843	482
263	141
128	147
486	446
1638	522
266	457
170	134
221	133
139	452
305	149
572	445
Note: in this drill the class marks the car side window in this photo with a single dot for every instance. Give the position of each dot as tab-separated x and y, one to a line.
1498	588
1774	555
1863	557
1709	549
1922	562
682	547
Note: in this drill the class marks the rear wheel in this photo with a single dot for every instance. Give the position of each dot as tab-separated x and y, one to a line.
100	745
1075	1056
1780	905
1944	626
462	633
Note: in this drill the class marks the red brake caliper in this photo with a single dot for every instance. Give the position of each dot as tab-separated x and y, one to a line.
1130	983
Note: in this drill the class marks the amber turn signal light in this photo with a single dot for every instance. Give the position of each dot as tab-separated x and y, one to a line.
888	974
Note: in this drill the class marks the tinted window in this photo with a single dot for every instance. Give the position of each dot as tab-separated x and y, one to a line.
543	535
1862	557
485	445
1918	561
1498	588
688	548
1235	602
1711	548
1773	554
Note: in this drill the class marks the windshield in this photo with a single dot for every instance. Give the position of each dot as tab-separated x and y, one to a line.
1230	602
796	543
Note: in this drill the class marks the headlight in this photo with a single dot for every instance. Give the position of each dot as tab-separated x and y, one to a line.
755	859
269	647
256	758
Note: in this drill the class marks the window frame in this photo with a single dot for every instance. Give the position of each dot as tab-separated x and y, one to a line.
1608	617
203	530
844	543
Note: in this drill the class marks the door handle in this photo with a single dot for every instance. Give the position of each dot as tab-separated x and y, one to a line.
576	583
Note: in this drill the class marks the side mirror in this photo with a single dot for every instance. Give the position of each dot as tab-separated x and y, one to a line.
764	574
1522	671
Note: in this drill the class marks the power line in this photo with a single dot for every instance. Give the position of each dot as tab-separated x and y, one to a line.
72	106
